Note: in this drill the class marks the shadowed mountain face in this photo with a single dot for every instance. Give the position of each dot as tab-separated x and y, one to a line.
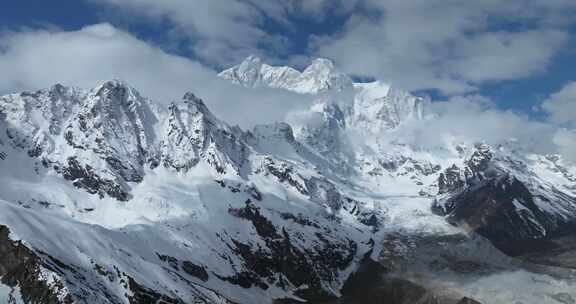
108	197
521	217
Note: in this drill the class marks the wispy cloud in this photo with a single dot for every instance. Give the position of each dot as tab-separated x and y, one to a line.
561	106
452	46
222	32
561	110
32	59
37	59
474	118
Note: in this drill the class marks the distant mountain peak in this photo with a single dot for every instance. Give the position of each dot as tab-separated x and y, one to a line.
252	60
115	83
320	76
194	106
320	65
192	99
126	202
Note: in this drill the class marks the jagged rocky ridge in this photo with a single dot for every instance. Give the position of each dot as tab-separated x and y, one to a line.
106	141
525	204
524	215
120	200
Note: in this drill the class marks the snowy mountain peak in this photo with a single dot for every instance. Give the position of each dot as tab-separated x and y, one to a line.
319	77
116	98
320	67
249	72
322	63
58	89
369	107
192	113
122	201
251	61
322	76
195	104
379	106
116	86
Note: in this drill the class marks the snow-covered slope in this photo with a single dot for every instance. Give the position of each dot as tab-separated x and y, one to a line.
525	205
108	197
136	201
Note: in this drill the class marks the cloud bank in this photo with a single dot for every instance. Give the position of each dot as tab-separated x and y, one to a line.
31	60
452	46
223	32
35	59
474	118
449	45
561	110
561	106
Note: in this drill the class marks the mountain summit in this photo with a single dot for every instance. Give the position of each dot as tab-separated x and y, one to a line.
320	76
109	197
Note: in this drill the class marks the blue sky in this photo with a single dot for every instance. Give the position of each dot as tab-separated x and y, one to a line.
68	14
219	33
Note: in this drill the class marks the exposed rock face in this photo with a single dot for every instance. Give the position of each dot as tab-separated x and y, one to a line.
301	267
325	134
102	140
85	178
121	200
21	269
506	206
192	133
106	141
373	284
115	123
143	295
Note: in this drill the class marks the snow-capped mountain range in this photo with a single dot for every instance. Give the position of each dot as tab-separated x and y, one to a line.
109	197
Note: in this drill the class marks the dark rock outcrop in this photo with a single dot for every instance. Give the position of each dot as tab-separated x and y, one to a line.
509	211
84	177
300	266
20	267
143	295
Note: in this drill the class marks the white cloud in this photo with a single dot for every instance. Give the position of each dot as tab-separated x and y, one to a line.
37	59
222	32
449	45
561	106
566	142
474	118
561	110
505	55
